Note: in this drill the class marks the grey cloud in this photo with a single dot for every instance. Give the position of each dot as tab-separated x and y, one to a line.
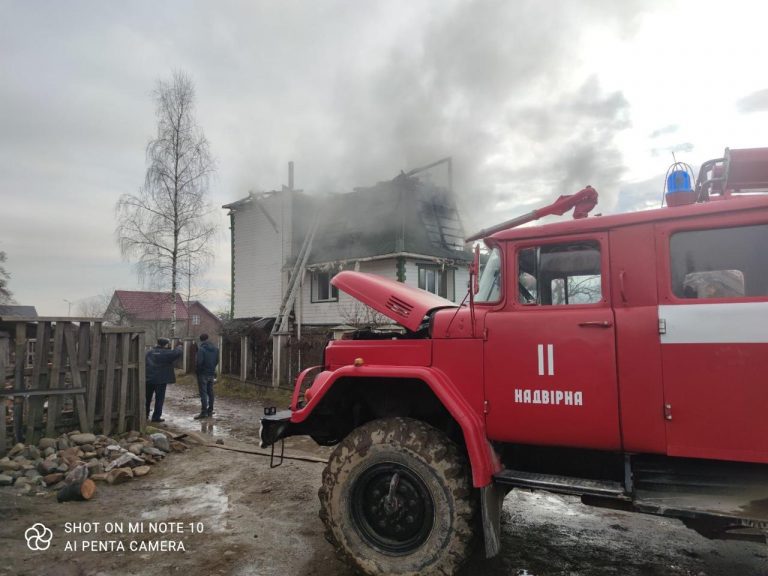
570	141
685	147
351	91
755	102
669	129
641	195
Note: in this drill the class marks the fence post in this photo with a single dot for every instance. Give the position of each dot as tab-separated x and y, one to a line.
83	355
142	408
219	369
18	379
39	378
93	375
109	384
125	351
244	358
56	368
3	422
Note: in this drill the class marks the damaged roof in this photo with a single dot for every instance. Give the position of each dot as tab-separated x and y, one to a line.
403	215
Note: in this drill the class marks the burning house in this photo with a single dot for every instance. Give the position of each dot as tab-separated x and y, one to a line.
287	246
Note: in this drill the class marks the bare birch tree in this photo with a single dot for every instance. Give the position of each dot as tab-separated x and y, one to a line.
6	296
167	225
359	315
94	306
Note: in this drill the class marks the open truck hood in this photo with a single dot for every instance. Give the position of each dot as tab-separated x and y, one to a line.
403	304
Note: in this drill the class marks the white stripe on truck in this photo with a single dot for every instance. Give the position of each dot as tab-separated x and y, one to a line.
732	323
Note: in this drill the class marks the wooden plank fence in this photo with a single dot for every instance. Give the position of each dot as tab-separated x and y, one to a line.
62	374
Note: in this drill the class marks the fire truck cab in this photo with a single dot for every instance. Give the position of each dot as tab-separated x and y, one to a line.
641	332
622	358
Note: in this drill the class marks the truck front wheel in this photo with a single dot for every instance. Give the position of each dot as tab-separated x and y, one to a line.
397	498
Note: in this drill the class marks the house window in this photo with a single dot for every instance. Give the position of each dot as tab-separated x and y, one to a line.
560	274
437	280
195	319
322	289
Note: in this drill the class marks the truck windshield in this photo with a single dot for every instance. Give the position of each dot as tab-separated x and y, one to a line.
490	279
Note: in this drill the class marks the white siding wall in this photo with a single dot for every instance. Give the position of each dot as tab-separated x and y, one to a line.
260	254
462	278
412	273
334	313
386	268
261	275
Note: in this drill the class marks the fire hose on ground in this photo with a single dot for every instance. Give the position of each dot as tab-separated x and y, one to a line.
203	442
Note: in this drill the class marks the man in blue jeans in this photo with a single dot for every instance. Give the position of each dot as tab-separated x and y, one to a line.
206	362
160	373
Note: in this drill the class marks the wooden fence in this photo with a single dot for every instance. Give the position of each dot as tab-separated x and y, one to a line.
249	356
61	374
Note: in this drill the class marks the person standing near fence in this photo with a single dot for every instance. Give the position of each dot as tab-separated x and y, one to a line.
160	373
205	363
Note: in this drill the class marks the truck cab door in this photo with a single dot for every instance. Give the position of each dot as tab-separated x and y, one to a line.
550	361
713	324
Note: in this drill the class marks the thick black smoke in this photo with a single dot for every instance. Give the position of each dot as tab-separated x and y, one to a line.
494	85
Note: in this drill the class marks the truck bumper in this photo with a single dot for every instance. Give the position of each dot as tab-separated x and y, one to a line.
275	427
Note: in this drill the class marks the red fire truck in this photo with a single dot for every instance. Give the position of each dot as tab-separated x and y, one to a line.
621	358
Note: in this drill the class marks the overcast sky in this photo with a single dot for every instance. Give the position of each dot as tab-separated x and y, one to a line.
532	100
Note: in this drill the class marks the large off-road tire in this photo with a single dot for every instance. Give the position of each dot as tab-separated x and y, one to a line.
397	498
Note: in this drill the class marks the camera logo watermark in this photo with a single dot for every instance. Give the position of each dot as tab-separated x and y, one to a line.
38	537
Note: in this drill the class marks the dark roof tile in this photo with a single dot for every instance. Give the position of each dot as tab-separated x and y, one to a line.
18	310
401	215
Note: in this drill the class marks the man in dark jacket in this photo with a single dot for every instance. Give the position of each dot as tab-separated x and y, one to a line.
206	362
160	373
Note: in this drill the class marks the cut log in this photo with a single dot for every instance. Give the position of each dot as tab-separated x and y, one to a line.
78	491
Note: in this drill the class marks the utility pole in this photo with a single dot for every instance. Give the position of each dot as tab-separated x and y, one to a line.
189	294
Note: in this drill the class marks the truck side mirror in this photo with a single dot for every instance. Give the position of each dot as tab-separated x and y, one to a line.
474	271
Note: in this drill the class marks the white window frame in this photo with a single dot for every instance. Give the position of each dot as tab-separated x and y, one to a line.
322	279
442	277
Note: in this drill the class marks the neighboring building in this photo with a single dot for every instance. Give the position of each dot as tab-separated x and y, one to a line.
405	229
202	321
152	311
6	330
17	310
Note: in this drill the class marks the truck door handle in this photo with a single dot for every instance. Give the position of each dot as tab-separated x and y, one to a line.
597	324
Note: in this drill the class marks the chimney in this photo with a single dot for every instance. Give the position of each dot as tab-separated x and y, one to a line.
290	175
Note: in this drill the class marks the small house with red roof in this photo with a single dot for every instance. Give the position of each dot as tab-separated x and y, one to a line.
152	311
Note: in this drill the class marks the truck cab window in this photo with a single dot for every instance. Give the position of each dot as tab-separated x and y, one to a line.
490	279
720	262
560	274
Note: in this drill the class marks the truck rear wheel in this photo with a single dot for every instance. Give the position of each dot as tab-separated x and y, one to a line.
397	498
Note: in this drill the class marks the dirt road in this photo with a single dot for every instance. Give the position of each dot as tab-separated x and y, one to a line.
238	517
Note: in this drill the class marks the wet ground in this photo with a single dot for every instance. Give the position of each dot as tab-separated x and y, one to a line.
240	518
